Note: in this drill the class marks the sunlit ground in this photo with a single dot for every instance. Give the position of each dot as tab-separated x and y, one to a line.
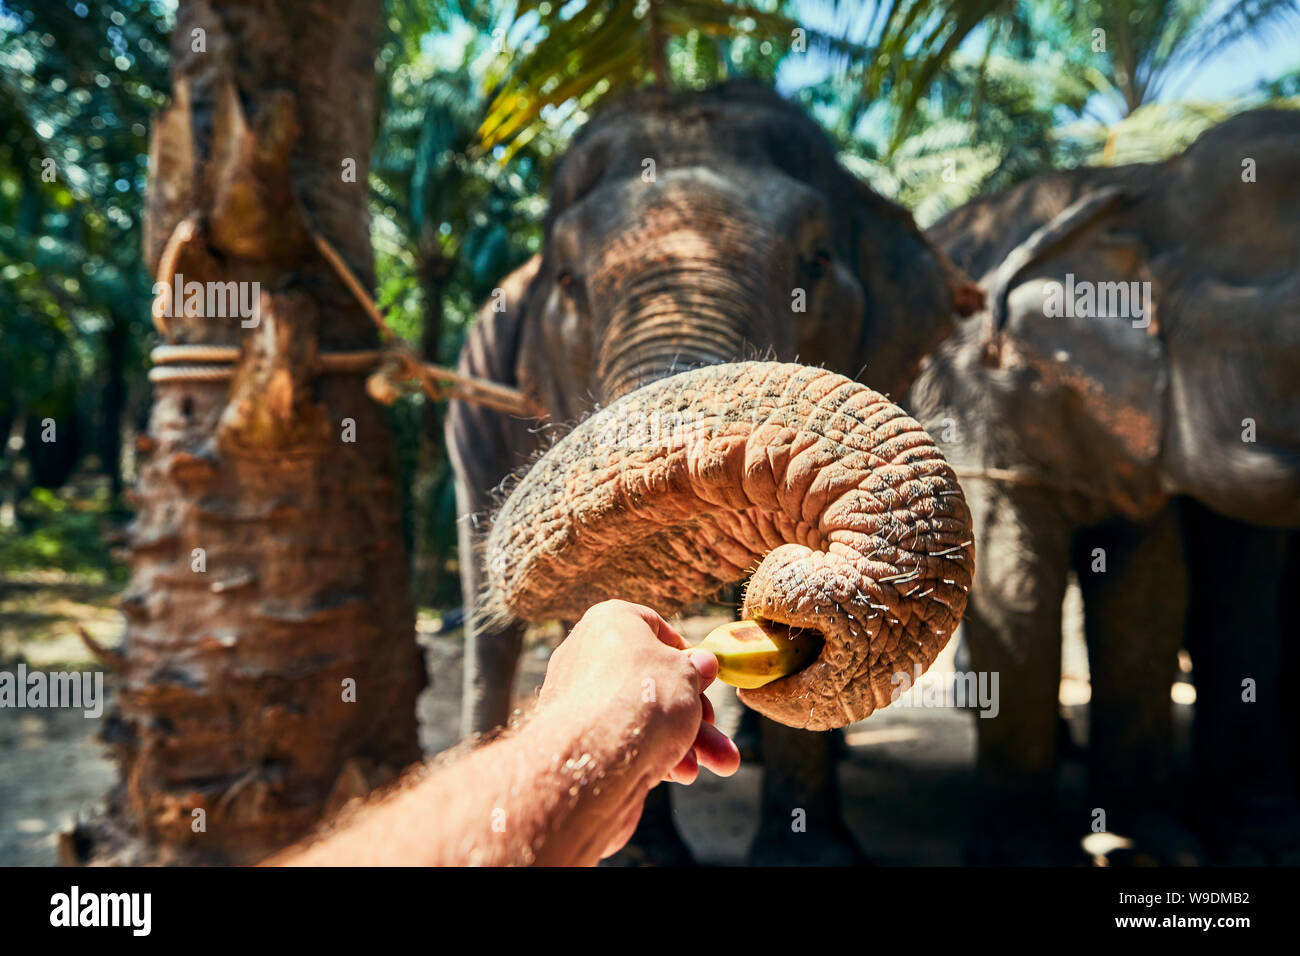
905	777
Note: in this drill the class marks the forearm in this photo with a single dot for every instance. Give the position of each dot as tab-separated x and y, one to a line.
622	708
546	795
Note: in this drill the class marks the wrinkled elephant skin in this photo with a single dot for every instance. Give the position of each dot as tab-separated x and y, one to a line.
848	517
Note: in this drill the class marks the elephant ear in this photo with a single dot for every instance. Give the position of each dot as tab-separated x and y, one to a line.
486	445
556	356
1062	228
1081	373
913	290
1229	226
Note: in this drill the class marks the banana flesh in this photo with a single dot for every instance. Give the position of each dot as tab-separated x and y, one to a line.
751	654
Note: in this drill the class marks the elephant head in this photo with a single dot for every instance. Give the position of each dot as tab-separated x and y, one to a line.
1140	321
697	228
691	230
1056	378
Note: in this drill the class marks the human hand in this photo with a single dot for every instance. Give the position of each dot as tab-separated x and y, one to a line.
624	676
623	666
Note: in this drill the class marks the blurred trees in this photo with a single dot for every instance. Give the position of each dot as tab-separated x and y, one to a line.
1044	84
78	81
933	101
450	222
564	58
1143	44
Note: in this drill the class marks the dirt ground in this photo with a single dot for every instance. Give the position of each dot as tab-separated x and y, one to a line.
905	776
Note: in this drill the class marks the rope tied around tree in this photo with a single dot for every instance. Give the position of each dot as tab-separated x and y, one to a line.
392	369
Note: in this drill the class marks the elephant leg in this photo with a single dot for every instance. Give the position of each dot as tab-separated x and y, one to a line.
1237	621
1013	625
749	736
800	822
655	841
1134	588
1291	653
491	660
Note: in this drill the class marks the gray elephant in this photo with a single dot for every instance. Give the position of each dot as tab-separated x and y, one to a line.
686	230
1128	406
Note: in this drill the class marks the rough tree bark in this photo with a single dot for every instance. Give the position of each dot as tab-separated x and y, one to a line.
232	693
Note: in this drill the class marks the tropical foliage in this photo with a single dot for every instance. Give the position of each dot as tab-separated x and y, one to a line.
78	82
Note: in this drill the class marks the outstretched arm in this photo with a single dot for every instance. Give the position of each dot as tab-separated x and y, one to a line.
621	709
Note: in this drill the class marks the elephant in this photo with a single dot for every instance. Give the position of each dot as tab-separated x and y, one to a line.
684	230
1127	405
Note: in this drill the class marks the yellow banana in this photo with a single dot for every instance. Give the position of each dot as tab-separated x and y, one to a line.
751	654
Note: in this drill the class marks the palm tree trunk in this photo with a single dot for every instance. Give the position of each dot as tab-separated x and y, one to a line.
270	669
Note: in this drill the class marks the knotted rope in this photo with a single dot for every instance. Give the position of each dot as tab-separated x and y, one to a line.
392	369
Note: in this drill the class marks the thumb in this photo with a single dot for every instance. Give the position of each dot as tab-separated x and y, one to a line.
705	664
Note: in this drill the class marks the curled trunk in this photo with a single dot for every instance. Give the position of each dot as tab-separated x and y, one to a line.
834	503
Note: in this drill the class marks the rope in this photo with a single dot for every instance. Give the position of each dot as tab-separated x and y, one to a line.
396	362
342	363
1029	479
436	382
210	363
358	361
169	354
192	373
185	231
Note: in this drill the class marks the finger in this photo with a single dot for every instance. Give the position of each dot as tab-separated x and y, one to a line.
716	751
687	769
706	708
705	664
661	628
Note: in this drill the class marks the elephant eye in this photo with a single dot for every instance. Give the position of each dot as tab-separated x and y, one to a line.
567	281
820	264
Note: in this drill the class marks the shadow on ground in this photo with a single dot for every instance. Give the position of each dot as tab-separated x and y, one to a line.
906	776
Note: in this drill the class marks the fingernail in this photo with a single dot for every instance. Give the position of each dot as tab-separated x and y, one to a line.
703	661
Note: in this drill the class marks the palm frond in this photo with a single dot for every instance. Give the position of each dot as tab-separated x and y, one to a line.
581	53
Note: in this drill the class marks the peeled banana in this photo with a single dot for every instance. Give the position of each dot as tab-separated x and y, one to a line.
751	654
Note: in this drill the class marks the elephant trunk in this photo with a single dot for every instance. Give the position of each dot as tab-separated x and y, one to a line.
843	509
689	297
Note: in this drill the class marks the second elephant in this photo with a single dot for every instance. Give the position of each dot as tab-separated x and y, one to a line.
1128	406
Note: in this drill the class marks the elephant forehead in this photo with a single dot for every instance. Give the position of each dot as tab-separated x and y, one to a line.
701	226
687	130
